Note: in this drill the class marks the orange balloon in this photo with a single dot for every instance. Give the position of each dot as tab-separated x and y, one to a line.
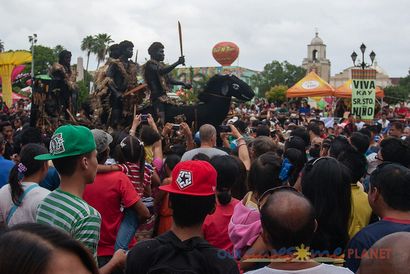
225	53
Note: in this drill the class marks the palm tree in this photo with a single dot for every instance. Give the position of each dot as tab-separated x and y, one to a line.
57	50
1	46
87	45
102	41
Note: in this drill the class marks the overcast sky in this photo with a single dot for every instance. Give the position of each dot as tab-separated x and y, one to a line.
263	30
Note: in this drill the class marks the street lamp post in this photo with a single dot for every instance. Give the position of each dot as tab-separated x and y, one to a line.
33	40
362	65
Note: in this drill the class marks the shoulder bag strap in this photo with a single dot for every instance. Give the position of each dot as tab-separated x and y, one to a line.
14	207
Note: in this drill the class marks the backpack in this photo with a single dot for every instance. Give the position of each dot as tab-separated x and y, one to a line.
175	257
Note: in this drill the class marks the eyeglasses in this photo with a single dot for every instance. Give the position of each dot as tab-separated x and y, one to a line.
264	197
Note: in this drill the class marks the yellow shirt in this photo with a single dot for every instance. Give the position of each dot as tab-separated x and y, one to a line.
360	212
248	201
149	155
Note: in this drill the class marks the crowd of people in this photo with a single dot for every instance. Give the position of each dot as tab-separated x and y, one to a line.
275	189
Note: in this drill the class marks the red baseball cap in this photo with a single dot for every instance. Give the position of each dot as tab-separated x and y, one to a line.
194	178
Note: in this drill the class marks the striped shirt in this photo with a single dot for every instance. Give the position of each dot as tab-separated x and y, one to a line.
73	215
132	170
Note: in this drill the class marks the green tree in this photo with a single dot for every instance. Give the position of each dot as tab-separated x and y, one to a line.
276	93
102	42
199	82
399	93
87	44
43	58
277	73
83	92
1	46
57	49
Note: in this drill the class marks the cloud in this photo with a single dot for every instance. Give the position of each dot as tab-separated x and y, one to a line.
264	30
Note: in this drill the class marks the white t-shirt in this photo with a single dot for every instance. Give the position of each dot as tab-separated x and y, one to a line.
372	162
360	125
26	212
384	124
320	269
208	151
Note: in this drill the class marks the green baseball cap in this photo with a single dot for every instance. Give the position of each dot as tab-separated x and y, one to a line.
69	140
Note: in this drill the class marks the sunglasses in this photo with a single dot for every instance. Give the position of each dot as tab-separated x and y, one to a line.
264	197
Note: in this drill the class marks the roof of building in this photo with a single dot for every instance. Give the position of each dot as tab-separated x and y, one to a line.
378	68
316	40
395	80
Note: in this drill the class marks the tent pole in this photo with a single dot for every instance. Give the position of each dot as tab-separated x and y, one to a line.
335	104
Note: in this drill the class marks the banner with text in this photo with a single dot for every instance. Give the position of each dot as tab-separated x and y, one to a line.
363	93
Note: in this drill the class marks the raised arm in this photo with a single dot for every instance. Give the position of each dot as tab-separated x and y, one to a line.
225	141
135	123
243	152
188	136
168	69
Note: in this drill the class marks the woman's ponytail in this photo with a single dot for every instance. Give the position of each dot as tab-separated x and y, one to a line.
27	167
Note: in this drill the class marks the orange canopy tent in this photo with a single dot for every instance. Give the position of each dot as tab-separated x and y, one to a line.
310	86
345	90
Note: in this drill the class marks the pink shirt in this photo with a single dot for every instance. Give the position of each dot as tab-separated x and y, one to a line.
244	227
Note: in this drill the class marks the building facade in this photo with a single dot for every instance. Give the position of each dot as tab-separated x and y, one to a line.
316	61
382	78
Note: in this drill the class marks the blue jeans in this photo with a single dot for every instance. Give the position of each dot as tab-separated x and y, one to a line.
128	227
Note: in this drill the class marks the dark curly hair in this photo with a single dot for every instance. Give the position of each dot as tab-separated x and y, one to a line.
154	47
124	45
63	54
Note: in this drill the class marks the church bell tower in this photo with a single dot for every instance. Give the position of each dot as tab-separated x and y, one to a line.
316	58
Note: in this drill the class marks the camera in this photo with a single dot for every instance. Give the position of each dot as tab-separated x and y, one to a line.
176	126
225	129
144	117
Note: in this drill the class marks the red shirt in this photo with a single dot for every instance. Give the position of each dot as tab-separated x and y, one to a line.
402	111
215	227
108	192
